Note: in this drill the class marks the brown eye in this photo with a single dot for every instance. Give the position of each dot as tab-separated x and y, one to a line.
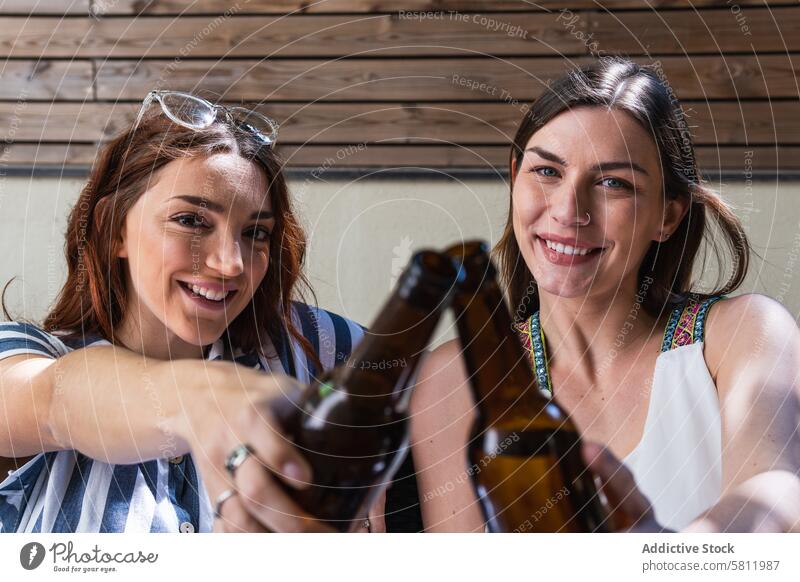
191	221
259	234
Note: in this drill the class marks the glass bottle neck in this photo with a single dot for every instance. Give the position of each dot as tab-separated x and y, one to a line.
500	375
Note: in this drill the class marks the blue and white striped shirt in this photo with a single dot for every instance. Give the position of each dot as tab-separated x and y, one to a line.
65	491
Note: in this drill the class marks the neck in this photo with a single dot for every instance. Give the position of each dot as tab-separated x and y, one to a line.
597	328
155	341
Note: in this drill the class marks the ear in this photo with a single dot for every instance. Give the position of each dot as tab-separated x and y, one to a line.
674	212
122	246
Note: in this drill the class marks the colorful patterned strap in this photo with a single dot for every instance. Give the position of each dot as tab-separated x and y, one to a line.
532	338
686	326
687	322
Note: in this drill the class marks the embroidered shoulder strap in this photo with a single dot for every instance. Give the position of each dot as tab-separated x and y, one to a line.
687	322
532	338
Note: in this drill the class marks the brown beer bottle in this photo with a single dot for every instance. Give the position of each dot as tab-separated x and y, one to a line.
524	451
352	425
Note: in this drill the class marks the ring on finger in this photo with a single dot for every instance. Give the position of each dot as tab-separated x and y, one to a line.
222	498
237	456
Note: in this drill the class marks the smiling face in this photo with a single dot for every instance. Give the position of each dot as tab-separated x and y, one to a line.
587	202
197	247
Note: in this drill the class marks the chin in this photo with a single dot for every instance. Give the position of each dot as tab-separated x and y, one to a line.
565	289
190	334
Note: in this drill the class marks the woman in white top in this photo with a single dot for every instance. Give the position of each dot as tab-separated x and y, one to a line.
698	396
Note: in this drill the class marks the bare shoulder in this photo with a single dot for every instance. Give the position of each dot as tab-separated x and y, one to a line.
445	357
742	328
440	374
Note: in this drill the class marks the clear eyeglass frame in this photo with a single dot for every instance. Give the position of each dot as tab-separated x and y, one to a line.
196	113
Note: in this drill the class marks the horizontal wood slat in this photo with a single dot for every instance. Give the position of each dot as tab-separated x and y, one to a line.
735	77
635	33
46	80
445	123
705	77
46	6
175	7
712	160
711	31
302	36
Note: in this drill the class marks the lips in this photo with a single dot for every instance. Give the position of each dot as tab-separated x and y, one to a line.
566	249
559	251
204	296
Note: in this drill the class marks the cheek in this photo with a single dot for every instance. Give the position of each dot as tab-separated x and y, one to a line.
626	219
526	207
179	255
258	263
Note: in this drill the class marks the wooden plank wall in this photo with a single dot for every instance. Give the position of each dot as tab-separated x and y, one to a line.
373	83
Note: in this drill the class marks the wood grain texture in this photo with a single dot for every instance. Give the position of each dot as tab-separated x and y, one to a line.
46	80
299	36
367	35
712	31
372	6
398	123
44	7
733	77
712	160
449	87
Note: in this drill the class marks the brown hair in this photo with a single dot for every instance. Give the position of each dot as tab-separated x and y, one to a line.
642	92
94	298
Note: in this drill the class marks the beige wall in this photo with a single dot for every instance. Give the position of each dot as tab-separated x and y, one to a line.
362	231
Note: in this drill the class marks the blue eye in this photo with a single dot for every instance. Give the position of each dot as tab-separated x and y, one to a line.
191	221
615	183
546	171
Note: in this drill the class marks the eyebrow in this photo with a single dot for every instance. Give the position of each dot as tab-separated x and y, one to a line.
543	153
218	208
601	167
606	166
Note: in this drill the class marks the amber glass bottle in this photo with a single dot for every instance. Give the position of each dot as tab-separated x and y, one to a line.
524	452
352	425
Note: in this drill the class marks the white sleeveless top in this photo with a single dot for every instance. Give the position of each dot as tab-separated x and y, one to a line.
678	462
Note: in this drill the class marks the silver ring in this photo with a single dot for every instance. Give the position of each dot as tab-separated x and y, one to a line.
222	498
236	457
588	219
366	525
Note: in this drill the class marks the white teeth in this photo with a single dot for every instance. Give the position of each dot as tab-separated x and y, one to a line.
209	294
565	249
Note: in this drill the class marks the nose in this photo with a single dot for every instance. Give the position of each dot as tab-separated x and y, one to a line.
568	205
225	256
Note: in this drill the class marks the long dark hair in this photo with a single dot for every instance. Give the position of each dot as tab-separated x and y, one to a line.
643	93
93	300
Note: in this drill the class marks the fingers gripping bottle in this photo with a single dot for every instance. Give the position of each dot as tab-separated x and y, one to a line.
352	425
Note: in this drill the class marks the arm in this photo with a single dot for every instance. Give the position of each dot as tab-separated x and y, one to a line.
441	418
107	402
754	356
753	352
117	406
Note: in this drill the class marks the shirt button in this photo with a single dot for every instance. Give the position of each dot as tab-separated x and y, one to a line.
176	460
187	527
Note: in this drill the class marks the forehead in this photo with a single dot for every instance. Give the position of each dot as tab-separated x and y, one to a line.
225	178
597	134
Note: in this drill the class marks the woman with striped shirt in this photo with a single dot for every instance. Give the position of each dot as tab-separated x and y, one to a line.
142	400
